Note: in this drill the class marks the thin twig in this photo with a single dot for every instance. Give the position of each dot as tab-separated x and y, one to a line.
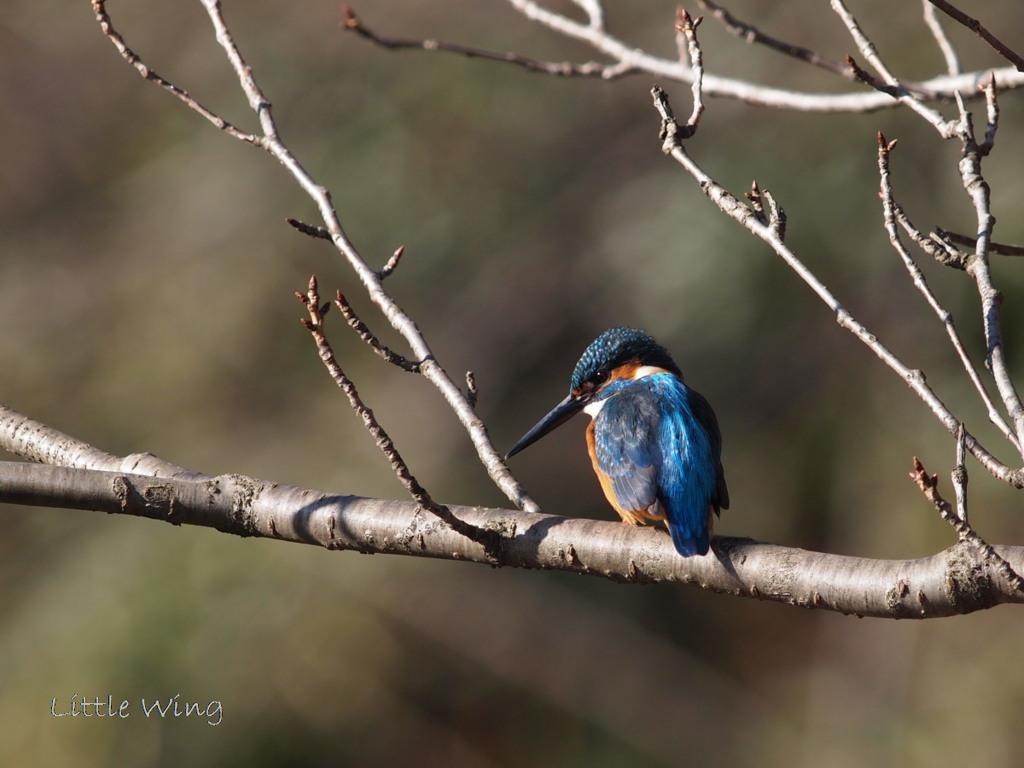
889	207
309	229
1002	249
991	116
941	39
751	34
976	26
686	28
353	23
936	246
357	325
861	74
960	478
774	217
392	264
889	84
776	214
471	390
929	487
100	10
314	324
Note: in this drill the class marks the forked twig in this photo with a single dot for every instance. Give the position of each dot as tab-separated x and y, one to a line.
889	208
314	324
889	83
100	10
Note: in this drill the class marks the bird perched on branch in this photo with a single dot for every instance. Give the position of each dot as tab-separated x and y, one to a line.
654	442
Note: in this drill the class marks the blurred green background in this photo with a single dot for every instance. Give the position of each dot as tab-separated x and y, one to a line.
146	281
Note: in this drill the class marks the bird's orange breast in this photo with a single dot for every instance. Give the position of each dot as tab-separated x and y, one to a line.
631	516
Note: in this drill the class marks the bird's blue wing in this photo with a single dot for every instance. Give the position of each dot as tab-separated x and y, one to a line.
653	441
689	472
625	445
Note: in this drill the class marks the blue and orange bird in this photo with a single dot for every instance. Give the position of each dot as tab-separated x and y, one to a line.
654	442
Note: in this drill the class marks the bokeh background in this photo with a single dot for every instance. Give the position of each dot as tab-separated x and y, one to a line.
146	281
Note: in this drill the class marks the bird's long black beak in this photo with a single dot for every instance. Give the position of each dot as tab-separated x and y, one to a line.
560	414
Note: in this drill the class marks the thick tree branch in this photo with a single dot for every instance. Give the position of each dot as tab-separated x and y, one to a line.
952	582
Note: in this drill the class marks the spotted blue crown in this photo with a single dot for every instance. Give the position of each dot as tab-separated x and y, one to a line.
619	346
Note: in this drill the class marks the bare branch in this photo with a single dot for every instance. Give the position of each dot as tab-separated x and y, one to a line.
977	189
889	208
991	116
976	26
371	340
935	244
733	208
751	34
941	39
99	8
993	247
949	583
889	83
629	60
353	23
686	27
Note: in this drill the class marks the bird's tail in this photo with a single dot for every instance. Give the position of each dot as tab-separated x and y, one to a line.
687	545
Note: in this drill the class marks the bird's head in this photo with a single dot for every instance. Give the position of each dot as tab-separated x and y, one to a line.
615	355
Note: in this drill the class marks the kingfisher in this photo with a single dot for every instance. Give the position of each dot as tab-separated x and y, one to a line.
654	442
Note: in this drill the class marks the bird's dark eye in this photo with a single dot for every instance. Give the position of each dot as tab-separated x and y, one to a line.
600	377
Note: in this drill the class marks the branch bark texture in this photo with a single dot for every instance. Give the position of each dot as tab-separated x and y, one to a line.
955	581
